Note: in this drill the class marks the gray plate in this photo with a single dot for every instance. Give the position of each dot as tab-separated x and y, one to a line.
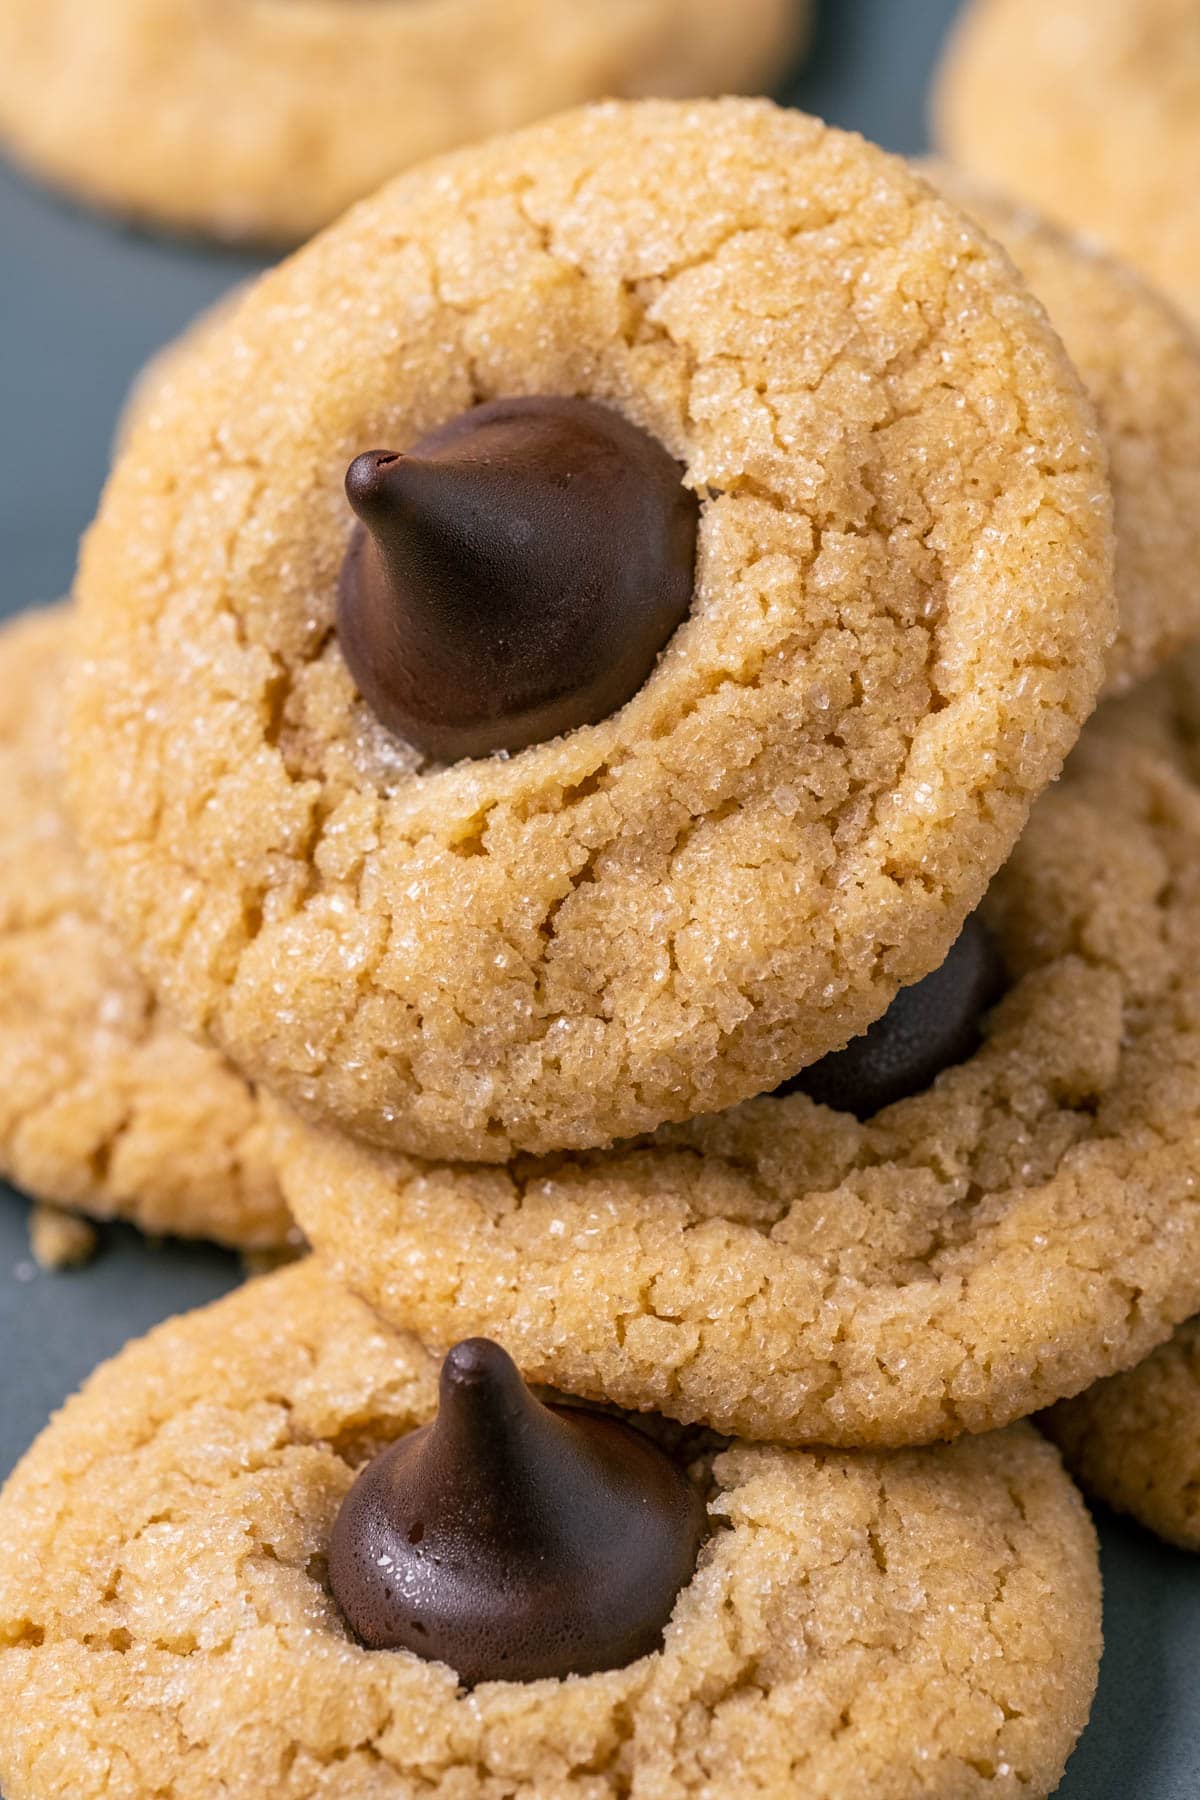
82	303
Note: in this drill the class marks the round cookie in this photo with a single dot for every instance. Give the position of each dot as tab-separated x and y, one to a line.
918	1625
105	1108
1134	1440
264	121
1090	109
986	1247
1140	362
902	606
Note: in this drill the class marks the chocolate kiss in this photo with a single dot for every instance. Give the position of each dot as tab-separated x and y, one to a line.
514	1540
514	575
927	1028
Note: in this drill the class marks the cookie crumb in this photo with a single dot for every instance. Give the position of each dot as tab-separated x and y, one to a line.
60	1240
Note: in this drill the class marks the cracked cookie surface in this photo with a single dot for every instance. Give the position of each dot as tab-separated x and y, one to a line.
264	121
105	1107
902	607
922	1626
1140	362
1027	1225
1090	109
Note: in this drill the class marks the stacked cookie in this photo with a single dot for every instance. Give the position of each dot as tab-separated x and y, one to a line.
563	695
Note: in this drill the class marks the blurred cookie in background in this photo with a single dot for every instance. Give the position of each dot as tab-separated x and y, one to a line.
1090	108
262	121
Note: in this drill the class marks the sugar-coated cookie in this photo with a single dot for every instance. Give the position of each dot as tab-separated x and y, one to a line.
889	1255
898	1627
1090	109
1140	362
105	1107
265	120
740	331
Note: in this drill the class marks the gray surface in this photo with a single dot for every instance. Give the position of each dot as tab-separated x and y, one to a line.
82	303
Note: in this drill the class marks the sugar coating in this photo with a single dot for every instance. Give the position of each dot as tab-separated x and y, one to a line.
1134	1440
920	1625
1027	1225
105	1107
903	602
265	121
1140	362
1091	110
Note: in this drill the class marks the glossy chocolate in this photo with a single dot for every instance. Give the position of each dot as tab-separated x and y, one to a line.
515	1540
514	575
928	1027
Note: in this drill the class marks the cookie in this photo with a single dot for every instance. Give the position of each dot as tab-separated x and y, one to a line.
105	1108
1091	110
903	1626
59	1239
1140	362
264	122
1023	1225
1134	1440
728	321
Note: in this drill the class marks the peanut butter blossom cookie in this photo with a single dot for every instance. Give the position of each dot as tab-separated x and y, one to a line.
982	1205
1091	109
105	1107
266	119
1134	1440
255	1561
1140	362
585	631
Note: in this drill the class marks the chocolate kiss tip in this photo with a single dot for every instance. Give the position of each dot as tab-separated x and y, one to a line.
515	1540
364	486
477	1360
